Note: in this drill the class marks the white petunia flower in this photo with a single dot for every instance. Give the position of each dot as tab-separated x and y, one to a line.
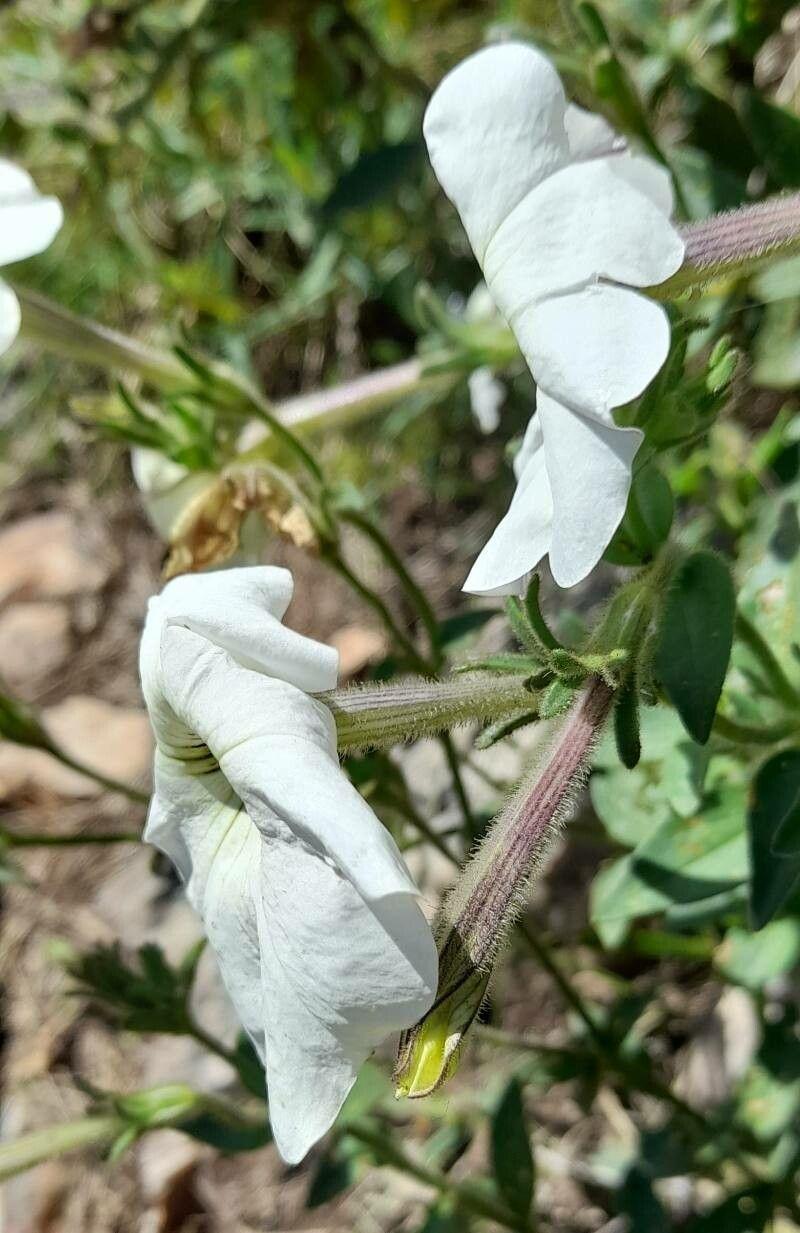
28	223
304	896
564	221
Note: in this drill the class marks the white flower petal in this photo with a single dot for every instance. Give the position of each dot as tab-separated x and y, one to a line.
28	221
9	317
589	135
304	896
584	223
589	469
276	747
523	537
241	610
494	129
339	976
648	176
595	349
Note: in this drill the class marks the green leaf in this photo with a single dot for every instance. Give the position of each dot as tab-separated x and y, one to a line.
512	1160
668	779
555	699
249	1067
638	1201
371	1087
372	177
647	520
457	629
774	816
775	135
685	860
769	574
695	640
336	1172
444	1218
146	995
227	1136
751	959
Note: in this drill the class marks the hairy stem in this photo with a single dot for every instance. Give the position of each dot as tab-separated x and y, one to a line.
379	716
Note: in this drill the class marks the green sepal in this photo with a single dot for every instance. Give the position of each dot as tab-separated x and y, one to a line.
626	724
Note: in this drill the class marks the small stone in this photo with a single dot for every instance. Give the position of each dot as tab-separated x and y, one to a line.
34	642
51	556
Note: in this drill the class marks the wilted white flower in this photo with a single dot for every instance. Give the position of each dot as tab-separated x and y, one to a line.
28	223
304	896
564	221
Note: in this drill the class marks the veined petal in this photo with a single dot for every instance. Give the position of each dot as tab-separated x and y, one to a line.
595	349
582	224
523	537
9	317
589	469
28	221
199	822
338	976
495	129
276	747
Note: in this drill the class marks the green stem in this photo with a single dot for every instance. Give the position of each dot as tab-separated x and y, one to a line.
105	781
40	1145
774	674
330	553
212	1044
450	754
750	734
67	841
416	596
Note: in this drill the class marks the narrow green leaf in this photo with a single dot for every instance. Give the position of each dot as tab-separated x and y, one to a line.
512	1160
695	640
